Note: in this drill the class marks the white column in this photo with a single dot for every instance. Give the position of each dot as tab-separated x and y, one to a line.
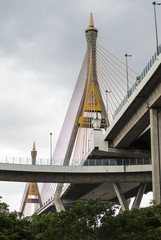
155	129
58	202
139	195
120	196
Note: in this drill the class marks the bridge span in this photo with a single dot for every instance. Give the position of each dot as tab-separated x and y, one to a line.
88	181
75	174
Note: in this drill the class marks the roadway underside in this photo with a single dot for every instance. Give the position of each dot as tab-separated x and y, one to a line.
104	191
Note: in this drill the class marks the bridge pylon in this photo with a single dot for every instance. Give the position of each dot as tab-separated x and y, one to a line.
31	193
91	112
86	115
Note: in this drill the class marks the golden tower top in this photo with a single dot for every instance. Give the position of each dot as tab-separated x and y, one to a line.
34	149
91	24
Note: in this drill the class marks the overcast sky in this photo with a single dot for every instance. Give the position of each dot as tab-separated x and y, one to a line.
42	46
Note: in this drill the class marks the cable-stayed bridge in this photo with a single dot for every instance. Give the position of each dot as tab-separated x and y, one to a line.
114	118
119	110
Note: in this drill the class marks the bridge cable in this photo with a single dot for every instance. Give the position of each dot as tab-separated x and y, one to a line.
117	58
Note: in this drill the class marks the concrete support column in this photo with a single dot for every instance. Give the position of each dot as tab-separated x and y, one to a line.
139	195
155	128
58	203
121	197
128	204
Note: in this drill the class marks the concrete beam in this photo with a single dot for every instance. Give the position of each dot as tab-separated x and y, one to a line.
77	178
100	148
119	153
128	204
133	117
155	123
75	174
138	121
120	196
139	196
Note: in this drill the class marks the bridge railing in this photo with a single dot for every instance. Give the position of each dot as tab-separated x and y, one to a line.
39	161
117	162
22	160
138	80
87	162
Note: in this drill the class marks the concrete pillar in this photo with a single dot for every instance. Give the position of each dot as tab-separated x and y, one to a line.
139	195
58	203
155	129
121	197
128	204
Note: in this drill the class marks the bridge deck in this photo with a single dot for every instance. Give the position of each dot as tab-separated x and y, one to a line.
75	174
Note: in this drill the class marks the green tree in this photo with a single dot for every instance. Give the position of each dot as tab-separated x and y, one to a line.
12	226
81	222
137	224
87	221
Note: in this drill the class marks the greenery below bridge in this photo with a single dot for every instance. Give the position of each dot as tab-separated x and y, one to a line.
89	221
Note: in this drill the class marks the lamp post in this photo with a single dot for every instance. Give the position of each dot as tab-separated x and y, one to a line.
50	148
127	55
156	30
107	92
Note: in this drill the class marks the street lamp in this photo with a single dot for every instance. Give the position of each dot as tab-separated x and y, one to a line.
107	91
50	148
127	55
155	17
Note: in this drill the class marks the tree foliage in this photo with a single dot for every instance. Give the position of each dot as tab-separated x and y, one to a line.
12	225
87	221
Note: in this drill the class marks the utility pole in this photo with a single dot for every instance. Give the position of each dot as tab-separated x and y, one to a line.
156	30
50	148
127	55
107	92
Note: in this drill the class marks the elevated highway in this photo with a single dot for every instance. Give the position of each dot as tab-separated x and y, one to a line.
84	182
74	174
134	117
